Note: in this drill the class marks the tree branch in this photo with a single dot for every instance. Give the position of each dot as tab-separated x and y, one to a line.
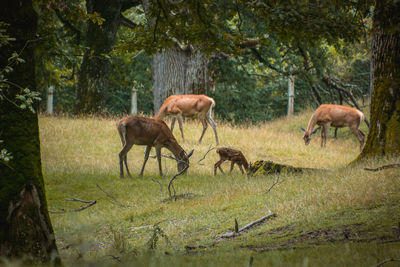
127	22
68	24
395	165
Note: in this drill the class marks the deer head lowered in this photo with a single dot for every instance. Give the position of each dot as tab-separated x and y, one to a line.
328	115
180	106
135	130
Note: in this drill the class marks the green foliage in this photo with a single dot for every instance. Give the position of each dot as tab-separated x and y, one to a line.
127	73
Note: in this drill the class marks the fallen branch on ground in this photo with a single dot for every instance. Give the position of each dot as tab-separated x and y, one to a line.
163	155
88	202
247	226
385	261
275	183
270	167
160	183
113	200
395	165
209	149
173	178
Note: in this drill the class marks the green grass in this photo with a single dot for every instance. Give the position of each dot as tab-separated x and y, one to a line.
79	154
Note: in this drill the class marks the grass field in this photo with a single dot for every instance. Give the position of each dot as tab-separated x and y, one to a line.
336	216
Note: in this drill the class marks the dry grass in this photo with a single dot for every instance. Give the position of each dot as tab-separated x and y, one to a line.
77	154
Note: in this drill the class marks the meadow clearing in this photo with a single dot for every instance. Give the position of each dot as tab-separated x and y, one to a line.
339	215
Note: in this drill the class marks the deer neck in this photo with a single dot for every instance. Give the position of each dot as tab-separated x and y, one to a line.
176	149
311	124
245	164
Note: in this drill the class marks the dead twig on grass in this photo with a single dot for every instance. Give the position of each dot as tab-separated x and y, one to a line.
395	165
88	202
160	183
385	261
204	157
163	155
113	200
247	226
275	183
173	178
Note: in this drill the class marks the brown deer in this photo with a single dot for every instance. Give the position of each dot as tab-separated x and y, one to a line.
234	156
135	130
180	106
328	115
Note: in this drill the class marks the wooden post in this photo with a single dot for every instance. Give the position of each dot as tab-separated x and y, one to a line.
50	92
134	101
290	95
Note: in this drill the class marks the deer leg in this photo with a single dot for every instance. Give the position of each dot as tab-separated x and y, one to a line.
158	153
241	169
362	135
359	134
213	126
218	165
232	165
173	124
324	134
180	127
205	126
146	157
122	159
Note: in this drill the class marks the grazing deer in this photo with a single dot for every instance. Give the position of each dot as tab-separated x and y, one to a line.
135	130
337	116
180	106
234	156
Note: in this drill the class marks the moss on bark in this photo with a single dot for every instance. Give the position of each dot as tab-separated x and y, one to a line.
384	133
22	229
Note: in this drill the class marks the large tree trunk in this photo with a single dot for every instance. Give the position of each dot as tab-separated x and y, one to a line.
94	72
178	72
384	133
25	229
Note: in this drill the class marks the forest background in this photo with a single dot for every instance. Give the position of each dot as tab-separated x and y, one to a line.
249	82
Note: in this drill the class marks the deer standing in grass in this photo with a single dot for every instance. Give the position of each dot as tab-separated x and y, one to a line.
135	130
234	156
328	115
180	106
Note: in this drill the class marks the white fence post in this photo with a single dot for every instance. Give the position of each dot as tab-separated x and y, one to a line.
134	101
290	95
50	92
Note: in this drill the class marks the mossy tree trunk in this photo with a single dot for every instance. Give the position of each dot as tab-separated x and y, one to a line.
93	75
384	133
26	230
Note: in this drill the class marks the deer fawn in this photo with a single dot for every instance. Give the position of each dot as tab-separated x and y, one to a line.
337	116
135	130
234	156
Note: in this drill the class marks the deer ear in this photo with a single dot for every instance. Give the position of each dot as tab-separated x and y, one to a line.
190	153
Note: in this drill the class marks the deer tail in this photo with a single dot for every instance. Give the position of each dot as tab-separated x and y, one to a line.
122	131
211	107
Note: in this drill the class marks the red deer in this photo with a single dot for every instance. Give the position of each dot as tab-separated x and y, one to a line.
328	115
135	130
234	156
180	106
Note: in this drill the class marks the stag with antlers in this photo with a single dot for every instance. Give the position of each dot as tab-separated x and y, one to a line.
234	156
180	106
338	116
135	130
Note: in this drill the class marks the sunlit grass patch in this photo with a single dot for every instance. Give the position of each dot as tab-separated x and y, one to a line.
80	159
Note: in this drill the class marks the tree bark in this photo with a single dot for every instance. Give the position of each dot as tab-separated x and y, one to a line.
94	72
383	138
25	229
178	72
